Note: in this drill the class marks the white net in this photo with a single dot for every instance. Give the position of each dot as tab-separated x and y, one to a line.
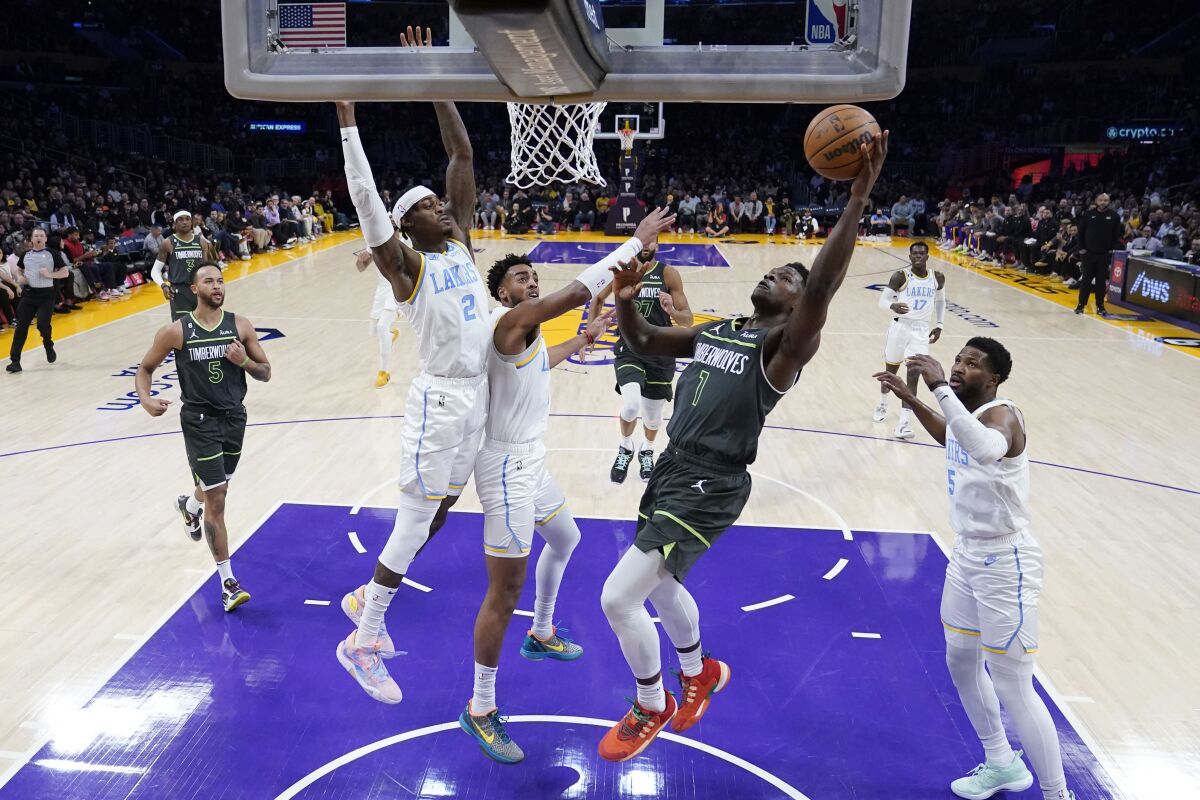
553	143
627	136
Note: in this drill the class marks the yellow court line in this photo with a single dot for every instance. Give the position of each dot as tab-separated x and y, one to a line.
98	312
1060	295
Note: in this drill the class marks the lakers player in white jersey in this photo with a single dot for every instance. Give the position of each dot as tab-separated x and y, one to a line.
384	311
516	491
440	293
913	296
994	578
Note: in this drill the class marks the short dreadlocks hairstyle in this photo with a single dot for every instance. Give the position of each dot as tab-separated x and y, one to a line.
500	269
998	358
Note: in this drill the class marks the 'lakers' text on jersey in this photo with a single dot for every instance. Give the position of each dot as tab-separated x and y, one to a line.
186	255
987	500
448	310
723	397
208	381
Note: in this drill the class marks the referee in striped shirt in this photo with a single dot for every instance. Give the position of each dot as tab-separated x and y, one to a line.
35	271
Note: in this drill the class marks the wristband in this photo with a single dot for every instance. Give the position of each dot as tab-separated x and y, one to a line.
245	362
937	385
590	339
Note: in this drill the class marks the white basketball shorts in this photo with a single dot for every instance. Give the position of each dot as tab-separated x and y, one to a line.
905	339
517	493
991	593
443	424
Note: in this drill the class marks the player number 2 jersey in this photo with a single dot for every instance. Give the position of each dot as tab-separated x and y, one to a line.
917	293
519	388
987	500
449	312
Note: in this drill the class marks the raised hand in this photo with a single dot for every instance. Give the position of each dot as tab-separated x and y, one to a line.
873	156
627	280
897	386
412	39
598	326
927	367
654	223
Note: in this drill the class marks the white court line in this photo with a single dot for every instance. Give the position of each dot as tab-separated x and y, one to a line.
354	540
316	602
837	569
11	754
128	637
341	761
121	662
195	571
1076	698
858	635
415	585
837	518
520	612
783	598
362	500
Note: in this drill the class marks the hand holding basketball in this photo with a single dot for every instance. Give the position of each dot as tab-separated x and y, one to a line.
833	139
627	278
873	156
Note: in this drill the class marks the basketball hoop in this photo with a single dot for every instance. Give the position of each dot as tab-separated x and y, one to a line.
627	136
553	143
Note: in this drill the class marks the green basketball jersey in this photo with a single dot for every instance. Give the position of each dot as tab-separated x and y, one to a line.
207	380
648	306
185	257
723	397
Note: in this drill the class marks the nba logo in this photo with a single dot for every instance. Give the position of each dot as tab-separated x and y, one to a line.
825	21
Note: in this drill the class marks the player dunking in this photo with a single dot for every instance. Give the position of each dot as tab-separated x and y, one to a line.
912	296
517	492
181	253
644	382
994	578
384	311
741	369
442	296
215	351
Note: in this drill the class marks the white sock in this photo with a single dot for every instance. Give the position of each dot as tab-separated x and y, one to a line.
483	698
652	698
997	751
646	445
543	617
627	443
691	662
193	505
883	400
225	569
378	599
904	412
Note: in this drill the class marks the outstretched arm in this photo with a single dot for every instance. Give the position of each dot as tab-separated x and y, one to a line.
460	173
595	329
399	264
931	420
597	304
168	338
644	338
996	434
801	334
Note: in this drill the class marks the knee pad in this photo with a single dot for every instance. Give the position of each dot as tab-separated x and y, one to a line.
652	413
631	401
409	532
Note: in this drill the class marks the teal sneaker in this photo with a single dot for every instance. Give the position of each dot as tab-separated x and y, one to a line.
984	781
490	733
557	647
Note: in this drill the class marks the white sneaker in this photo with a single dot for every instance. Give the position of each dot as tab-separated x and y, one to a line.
985	781
903	431
880	413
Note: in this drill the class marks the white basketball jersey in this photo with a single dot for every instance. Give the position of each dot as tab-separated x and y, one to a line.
987	500
448	310
917	294
519	402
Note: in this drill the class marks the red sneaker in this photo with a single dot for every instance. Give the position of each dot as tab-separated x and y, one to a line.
696	691
636	731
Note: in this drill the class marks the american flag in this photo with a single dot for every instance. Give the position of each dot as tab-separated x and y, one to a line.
313	24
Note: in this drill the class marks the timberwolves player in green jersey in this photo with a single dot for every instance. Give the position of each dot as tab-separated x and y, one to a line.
740	369
182	252
214	352
660	301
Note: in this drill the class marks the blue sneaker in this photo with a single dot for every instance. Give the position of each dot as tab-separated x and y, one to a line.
556	647
491	735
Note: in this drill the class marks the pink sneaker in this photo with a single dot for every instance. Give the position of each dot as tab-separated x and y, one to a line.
366	667
353	605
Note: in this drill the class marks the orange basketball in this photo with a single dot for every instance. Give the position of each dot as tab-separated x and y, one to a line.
831	143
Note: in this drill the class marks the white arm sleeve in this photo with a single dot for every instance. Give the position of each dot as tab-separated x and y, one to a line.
985	445
156	272
939	306
887	297
598	276
373	218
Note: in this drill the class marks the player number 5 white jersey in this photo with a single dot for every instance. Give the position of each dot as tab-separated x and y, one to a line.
987	500
448	310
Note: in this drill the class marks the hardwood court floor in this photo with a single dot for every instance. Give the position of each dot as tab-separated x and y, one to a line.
94	557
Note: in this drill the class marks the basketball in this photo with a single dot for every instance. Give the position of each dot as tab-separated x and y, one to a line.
832	141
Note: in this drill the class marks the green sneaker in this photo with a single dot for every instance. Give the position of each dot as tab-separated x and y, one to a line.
984	781
489	732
